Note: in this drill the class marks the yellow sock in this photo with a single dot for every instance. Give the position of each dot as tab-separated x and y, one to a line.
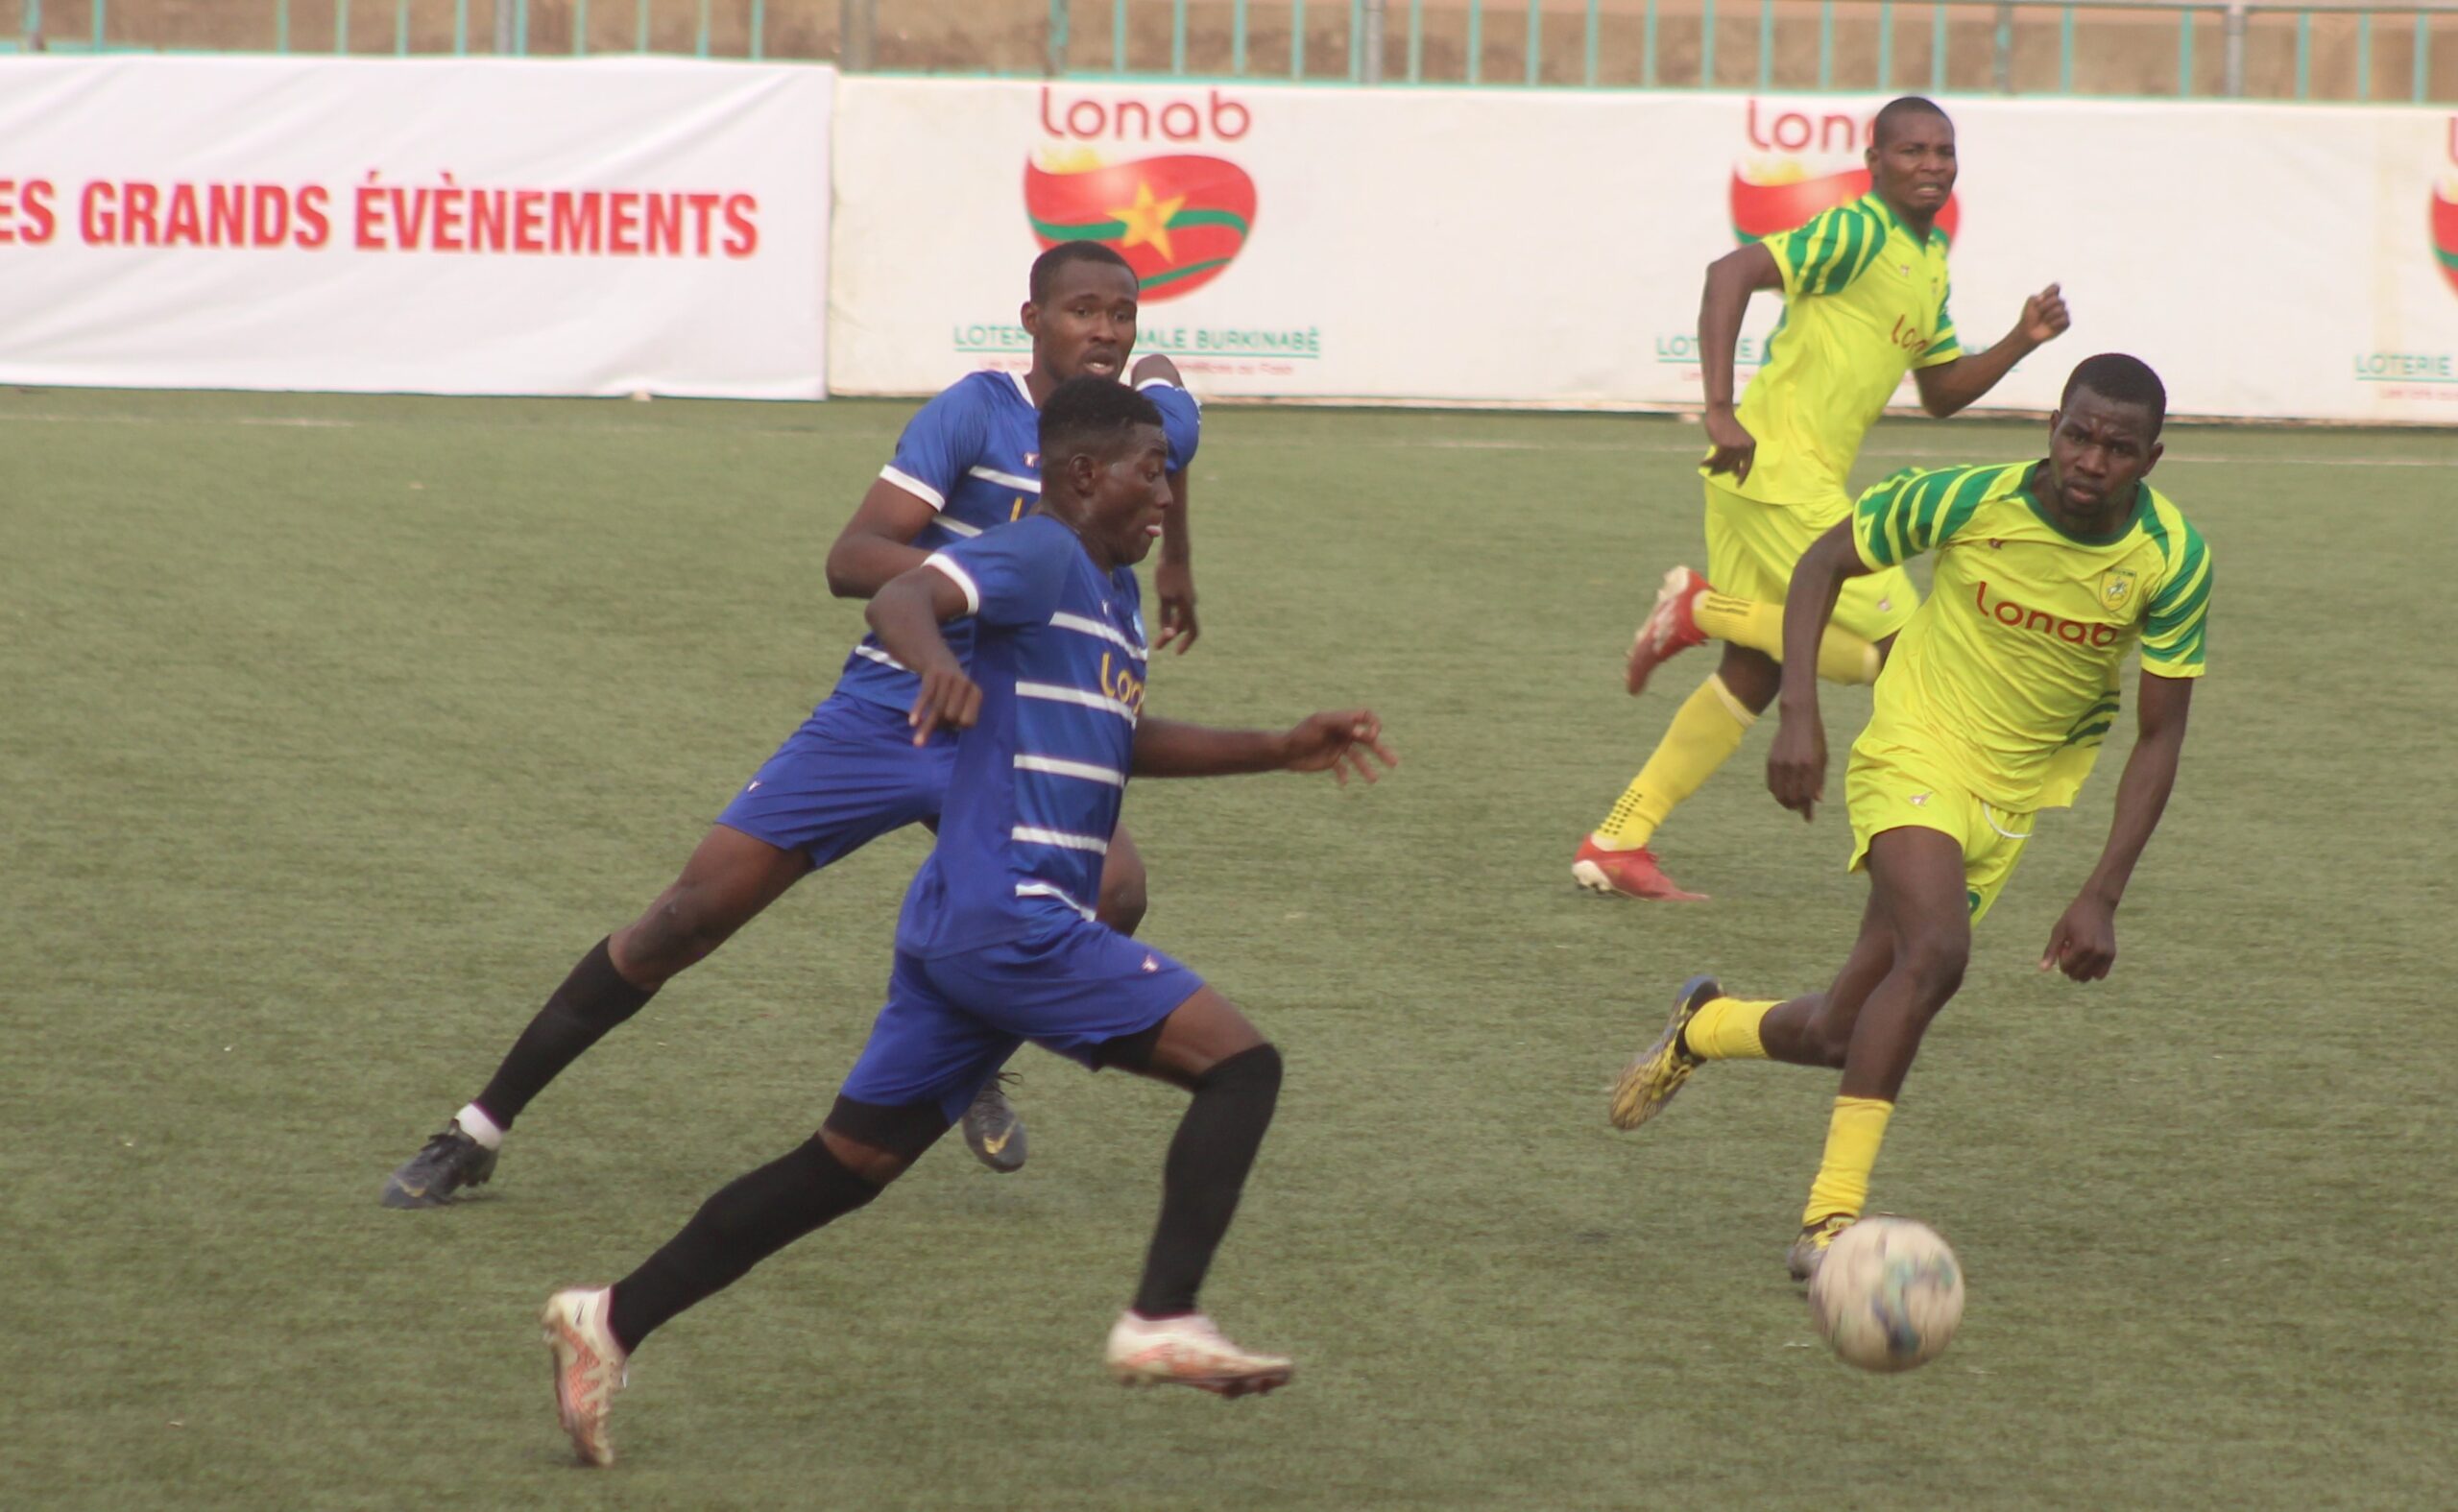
1706	733
1726	1029
1843	656
1853	1133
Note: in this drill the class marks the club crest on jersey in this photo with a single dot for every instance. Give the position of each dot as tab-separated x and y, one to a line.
2117	589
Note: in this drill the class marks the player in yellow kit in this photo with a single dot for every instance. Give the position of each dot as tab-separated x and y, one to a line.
1989	710
1865	301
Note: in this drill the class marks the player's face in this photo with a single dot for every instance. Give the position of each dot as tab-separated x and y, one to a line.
1129	496
1914	169
1088	322
2098	449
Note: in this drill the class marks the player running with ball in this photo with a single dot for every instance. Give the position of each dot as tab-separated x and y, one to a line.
999	942
1990	709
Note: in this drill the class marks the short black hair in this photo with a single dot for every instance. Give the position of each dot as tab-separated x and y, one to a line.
2127	380
1045	266
1898	108
1091	414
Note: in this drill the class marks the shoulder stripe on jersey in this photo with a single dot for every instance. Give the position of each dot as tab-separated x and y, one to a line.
1966	499
1060	766
1083	626
1006	479
1058	693
963	579
880	657
914	485
1032	834
1046	890
958	528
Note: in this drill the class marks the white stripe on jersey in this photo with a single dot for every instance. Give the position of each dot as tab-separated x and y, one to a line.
880	657
956	527
1057	694
962	579
1093	627
1006	479
914	485
1059	766
1030	836
1045	890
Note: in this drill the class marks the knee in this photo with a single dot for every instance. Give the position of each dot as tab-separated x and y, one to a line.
682	928
1122	899
1253	1073
1933	962
1830	1038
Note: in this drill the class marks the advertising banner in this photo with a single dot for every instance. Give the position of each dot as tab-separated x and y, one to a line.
439	226
1548	248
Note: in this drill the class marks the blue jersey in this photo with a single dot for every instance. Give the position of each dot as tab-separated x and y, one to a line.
1059	654
973	454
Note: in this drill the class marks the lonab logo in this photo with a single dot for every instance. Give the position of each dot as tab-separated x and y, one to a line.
1180	219
1801	165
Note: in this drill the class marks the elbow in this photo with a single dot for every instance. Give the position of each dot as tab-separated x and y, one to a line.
871	612
1940	406
842	581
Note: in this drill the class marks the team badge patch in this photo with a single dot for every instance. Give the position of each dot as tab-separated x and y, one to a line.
2117	589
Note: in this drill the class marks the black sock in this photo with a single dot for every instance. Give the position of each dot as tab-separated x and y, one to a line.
594	999
752	1219
1209	1158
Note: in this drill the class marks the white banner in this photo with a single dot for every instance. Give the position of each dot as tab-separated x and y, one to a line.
1548	248
439	226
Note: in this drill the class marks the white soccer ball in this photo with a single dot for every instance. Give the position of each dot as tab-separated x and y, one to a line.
1887	1295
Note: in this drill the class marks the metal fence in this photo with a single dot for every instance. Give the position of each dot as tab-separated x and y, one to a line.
2328	50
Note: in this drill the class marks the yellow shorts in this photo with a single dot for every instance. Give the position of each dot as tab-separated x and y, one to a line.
1752	549
1895	787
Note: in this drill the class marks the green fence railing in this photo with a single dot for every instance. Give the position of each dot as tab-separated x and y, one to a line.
2345	50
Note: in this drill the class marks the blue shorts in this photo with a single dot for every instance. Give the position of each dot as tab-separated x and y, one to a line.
850	775
951	1020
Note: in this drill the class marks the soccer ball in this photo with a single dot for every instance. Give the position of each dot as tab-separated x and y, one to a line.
1887	1295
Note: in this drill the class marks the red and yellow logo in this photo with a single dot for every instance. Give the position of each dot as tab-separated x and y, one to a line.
1180	220
1775	189
2445	216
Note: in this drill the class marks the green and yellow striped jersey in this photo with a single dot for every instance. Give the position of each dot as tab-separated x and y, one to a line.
1864	303
2008	670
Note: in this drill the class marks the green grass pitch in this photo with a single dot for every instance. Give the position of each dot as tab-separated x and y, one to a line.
333	730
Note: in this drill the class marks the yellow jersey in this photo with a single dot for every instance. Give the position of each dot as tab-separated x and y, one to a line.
2008	672
1864	303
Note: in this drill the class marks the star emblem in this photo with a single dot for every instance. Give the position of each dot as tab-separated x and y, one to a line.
1148	220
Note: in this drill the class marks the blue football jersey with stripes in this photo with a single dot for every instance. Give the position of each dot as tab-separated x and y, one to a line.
974	455
1059	654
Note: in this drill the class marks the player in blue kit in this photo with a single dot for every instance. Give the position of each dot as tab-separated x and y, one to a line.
998	942
968	460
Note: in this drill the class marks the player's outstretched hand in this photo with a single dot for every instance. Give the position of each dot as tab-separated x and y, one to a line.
1796	766
2044	318
1339	741
2084	944
1173	584
948	698
1736	448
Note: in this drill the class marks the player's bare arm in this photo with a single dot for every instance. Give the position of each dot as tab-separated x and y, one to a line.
1337	741
906	615
2084	943
1731	279
1173	580
876	545
1951	386
1797	763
